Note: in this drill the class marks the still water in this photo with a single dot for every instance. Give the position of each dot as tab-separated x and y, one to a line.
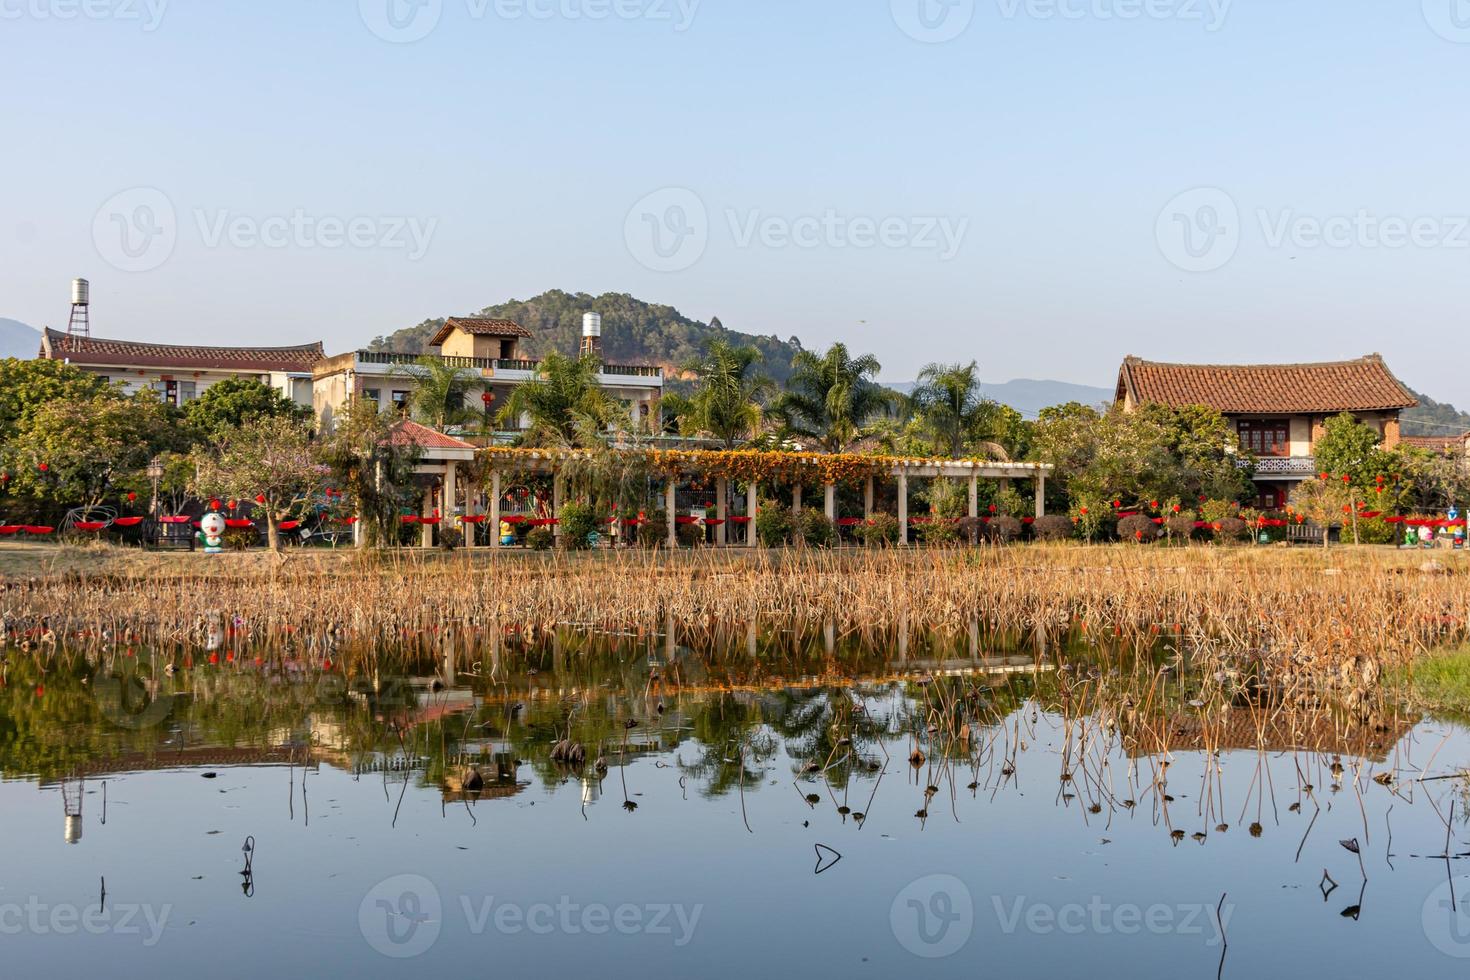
817	812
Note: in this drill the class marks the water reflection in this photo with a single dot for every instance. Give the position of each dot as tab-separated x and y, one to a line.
1016	789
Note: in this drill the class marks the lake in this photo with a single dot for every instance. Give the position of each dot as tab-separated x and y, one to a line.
817	808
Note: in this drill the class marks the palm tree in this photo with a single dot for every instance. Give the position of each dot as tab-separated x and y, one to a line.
831	399
727	404
565	402
951	408
439	391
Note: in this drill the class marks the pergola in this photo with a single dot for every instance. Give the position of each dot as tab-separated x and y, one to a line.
442	456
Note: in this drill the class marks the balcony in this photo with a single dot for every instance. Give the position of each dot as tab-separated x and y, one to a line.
1302	466
497	364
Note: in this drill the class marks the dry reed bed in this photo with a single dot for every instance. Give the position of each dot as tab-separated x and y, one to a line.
1316	611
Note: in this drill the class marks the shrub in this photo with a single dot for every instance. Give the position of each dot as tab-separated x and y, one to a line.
690	535
654	531
1377	531
971	529
773	525
1091	517
939	530
540	539
1138	528
1180	526
1052	528
577	527
449	537
240	539
1232	529
880	529
816	529
1010	503
1003	530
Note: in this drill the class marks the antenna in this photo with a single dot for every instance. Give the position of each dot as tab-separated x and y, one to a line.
81	301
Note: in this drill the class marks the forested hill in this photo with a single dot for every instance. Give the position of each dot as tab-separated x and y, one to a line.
1442	419
633	332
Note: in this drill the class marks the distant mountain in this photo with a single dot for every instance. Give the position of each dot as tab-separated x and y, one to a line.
18	339
1434	418
633	332
1029	397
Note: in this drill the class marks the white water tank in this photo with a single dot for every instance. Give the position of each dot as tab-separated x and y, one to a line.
81	292
592	325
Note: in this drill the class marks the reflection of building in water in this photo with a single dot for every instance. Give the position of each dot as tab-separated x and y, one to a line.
1272	730
71	803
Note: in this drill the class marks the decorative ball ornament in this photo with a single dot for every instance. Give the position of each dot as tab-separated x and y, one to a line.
43	467
132	496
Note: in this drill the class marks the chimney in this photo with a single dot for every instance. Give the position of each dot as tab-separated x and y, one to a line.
592	334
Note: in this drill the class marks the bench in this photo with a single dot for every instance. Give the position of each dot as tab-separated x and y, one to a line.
1305	534
162	535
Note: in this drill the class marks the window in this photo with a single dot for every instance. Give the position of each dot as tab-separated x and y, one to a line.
1265	437
374	395
188	391
400	400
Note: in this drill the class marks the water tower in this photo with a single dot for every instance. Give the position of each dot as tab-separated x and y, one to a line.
592	334
81	300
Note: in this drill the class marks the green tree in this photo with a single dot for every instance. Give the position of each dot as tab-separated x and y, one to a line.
727	402
832	399
230	403
440	391
269	459
952	409
565	403
27	386
88	445
1350	448
377	472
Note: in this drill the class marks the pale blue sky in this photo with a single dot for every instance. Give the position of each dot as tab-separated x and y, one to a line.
1049	144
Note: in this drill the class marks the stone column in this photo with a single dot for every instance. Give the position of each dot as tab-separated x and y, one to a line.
495	509
722	510
868	500
974	507
1392	434
796	499
450	495
671	503
903	509
752	502
829	503
426	538
1040	494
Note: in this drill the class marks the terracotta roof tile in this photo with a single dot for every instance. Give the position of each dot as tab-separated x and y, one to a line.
1437	444
57	346
410	433
1364	385
479	327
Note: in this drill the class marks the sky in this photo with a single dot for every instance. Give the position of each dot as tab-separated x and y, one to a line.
1043	186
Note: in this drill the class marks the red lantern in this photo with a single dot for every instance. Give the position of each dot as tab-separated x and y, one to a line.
214	504
260	498
1322	476
1084	512
232	504
4	477
488	397
1153	505
1176	508
44	467
132	496
1346	478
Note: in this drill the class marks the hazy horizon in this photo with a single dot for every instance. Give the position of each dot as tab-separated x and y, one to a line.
1043	186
